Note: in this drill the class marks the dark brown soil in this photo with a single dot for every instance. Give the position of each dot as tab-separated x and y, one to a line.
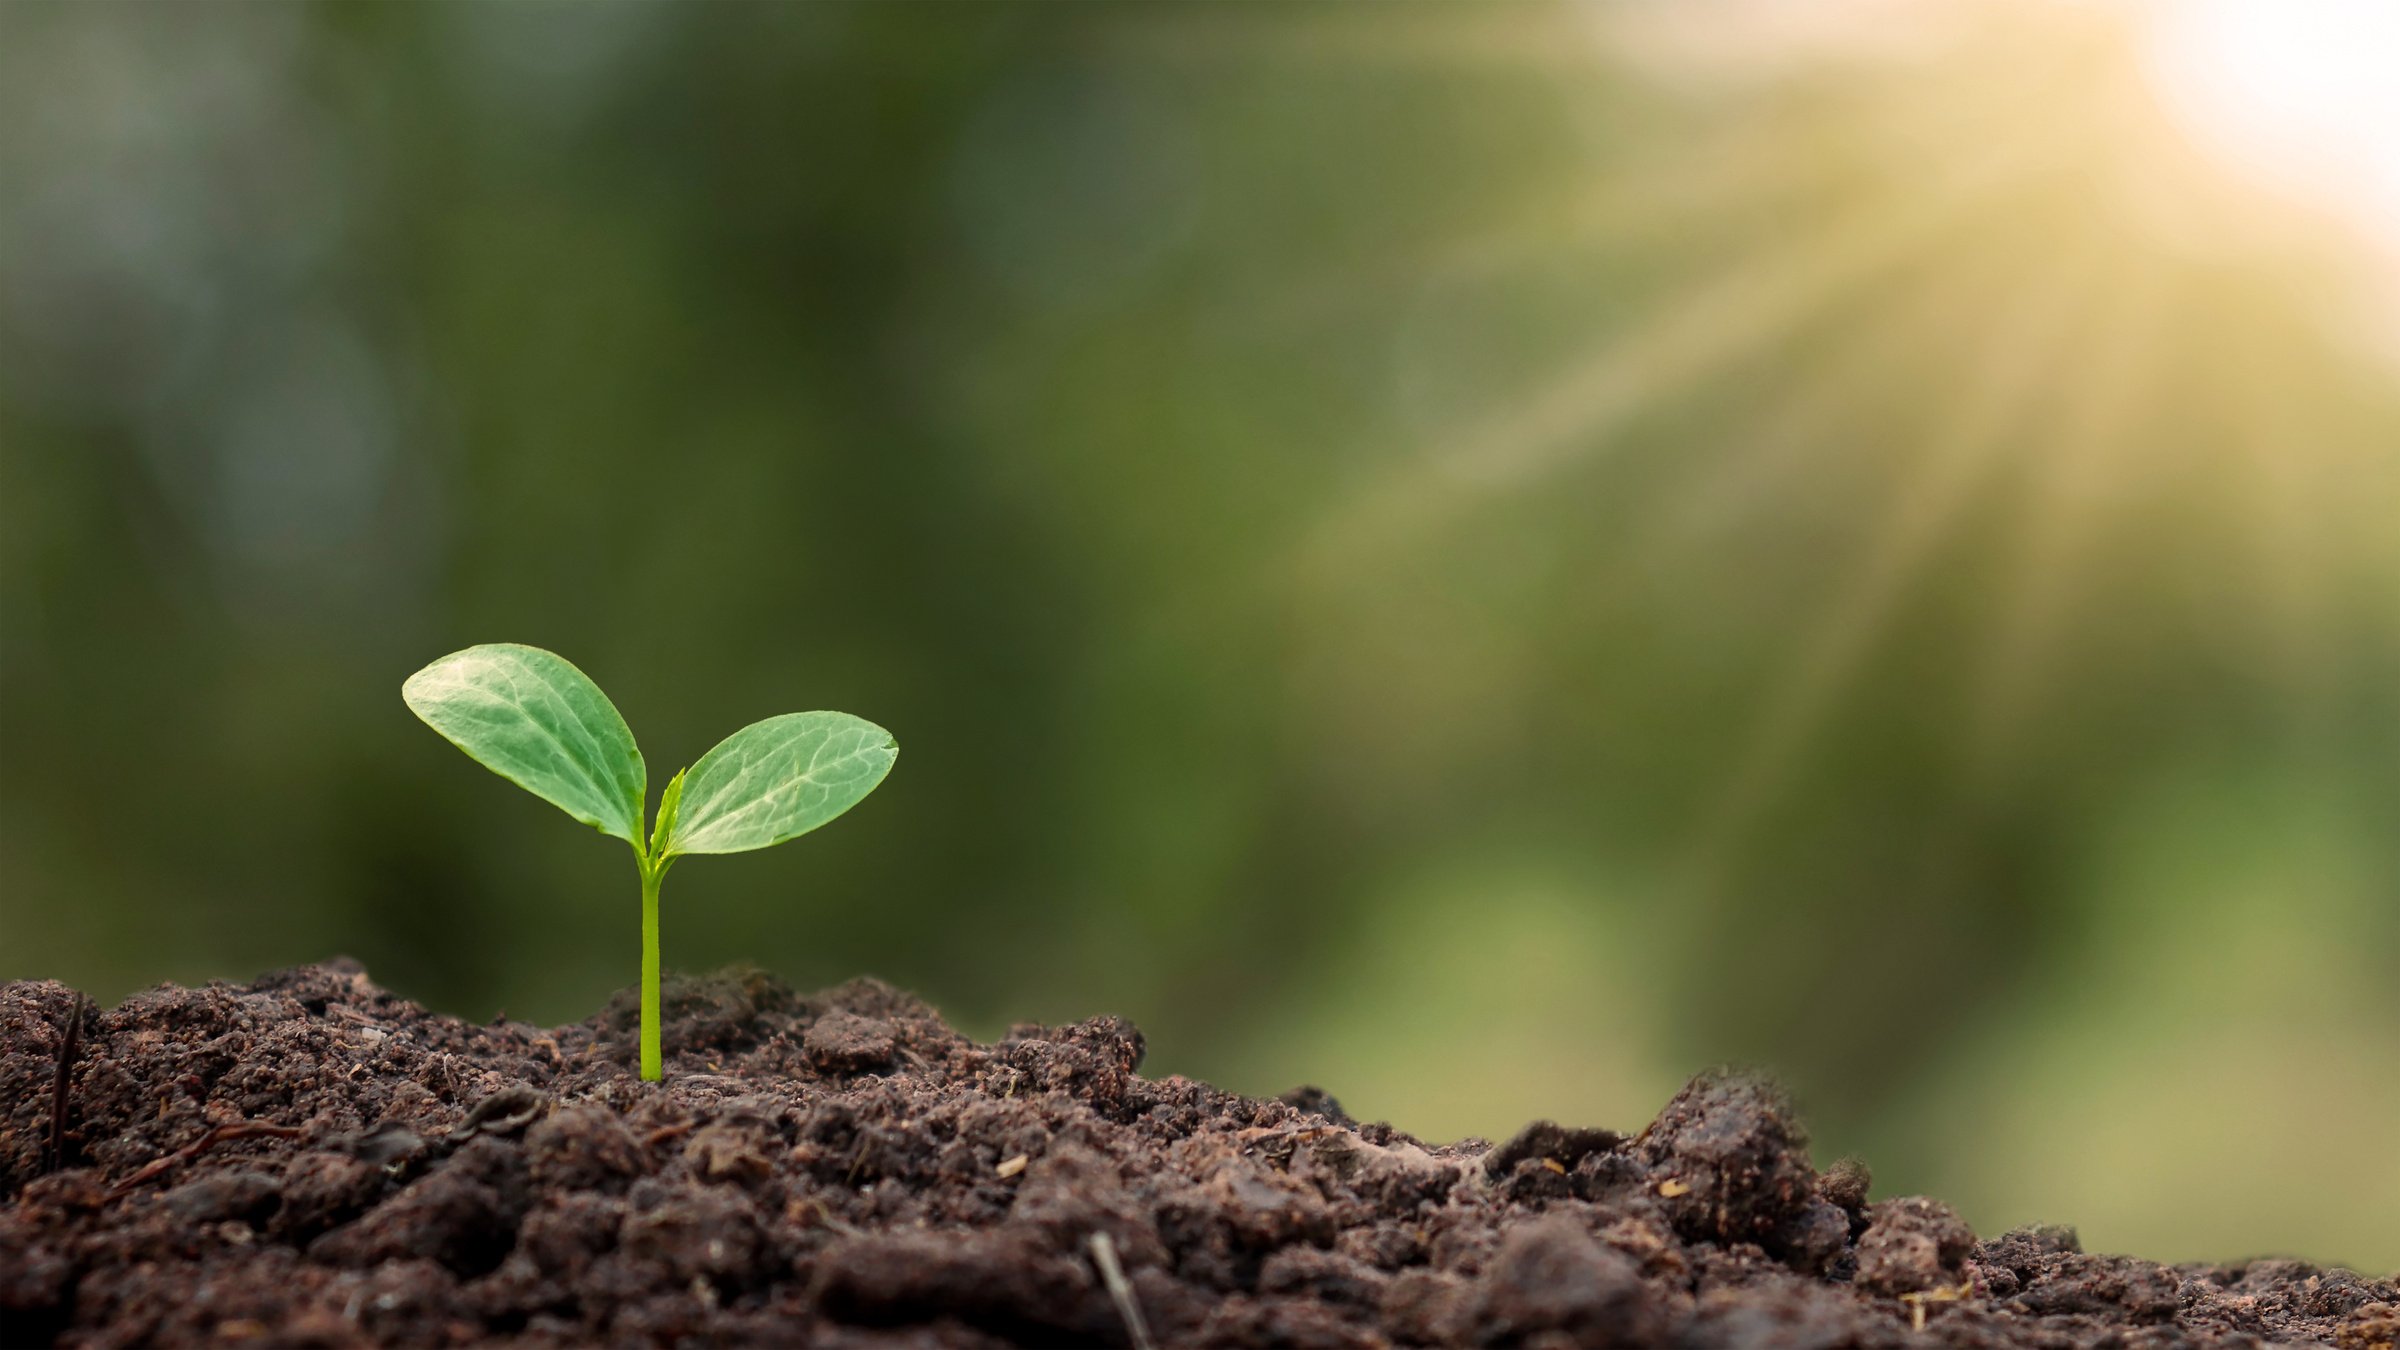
310	1161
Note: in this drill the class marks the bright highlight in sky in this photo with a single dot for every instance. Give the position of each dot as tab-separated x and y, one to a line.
2304	94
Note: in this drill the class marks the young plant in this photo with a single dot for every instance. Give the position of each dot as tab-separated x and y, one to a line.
537	721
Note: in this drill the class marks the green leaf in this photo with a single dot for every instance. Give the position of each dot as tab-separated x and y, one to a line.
534	719
669	804
779	778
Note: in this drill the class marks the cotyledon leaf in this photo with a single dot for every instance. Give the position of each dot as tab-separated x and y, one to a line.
777	779
533	718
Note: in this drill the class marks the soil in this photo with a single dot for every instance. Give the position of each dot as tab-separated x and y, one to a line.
310	1161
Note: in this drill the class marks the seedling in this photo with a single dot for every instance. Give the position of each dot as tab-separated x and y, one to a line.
534	719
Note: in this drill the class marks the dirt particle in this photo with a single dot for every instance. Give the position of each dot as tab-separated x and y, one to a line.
728	1153
1913	1246
462	1216
1329	1277
322	1190
1845	1185
842	1042
1427	1307
1093	1060
565	1233
1073	1192
1266	1209
991	1281
387	1144
1552	1276
706	1233
35	1277
1741	1158
1547	1139
702	1015
1812	1240
2113	1288
584	1148
505	1112
2375	1326
240	1195
1316	1101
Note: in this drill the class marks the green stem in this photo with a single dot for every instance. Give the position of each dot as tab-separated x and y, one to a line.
652	1070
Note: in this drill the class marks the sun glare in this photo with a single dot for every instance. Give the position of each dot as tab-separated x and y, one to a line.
2302	94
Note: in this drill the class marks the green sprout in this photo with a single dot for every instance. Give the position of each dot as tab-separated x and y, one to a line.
534	719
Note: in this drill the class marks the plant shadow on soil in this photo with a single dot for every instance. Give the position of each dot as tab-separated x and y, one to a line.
309	1161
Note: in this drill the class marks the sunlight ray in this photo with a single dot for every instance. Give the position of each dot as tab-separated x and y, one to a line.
2019	360
1518	40
1741	310
2068	486
2264	403
1794	430
1636	203
1654	192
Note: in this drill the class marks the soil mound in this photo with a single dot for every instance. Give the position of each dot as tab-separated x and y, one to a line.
310	1161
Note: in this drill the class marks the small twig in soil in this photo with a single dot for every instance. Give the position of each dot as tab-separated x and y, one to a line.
240	1129
1120	1290
667	1134
1946	1293
64	1083
816	1212
507	1111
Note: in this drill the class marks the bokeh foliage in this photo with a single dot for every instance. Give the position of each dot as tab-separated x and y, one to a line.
1480	556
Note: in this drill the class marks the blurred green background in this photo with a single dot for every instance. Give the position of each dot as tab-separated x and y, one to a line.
1484	557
